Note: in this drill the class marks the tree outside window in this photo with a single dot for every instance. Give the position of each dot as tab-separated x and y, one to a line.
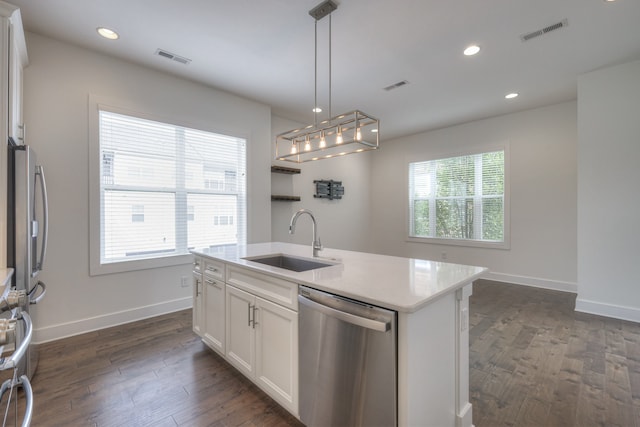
458	198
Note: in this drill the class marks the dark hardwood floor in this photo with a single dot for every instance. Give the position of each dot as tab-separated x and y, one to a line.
154	372
534	361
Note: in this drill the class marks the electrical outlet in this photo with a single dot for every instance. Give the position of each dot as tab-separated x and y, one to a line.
444	255
184	281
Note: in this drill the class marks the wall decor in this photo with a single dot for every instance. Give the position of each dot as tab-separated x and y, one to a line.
328	189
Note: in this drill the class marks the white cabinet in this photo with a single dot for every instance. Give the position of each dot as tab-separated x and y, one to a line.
241	347
262	342
213	318
13	57
198	300
277	352
213	313
251	319
17	60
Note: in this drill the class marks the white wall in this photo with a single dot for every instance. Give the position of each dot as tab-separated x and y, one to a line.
542	146
342	224
608	192
58	81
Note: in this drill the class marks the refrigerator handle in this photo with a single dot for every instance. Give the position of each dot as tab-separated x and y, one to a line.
34	296
45	216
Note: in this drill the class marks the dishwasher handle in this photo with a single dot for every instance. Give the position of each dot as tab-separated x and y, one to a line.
364	322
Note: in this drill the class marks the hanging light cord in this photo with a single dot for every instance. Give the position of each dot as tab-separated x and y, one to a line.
315	78
329	112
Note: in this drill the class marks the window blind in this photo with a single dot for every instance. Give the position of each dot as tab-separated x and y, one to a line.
459	198
164	188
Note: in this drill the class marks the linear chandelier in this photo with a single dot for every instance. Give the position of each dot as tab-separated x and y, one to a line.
348	133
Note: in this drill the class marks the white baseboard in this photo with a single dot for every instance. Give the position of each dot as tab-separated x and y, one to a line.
608	310
64	330
556	285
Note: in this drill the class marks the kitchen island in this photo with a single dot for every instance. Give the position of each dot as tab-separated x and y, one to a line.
431	300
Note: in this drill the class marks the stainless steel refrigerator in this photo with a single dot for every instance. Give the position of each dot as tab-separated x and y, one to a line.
27	227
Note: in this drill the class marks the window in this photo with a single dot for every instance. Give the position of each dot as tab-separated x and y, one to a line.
162	186
137	213
459	199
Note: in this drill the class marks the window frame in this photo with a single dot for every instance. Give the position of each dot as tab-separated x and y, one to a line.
96	267
506	244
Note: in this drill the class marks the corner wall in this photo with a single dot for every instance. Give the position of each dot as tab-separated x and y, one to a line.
542	147
58	81
608	192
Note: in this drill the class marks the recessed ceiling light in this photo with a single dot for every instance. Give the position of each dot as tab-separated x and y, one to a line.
107	33
374	130
317	110
511	95
471	50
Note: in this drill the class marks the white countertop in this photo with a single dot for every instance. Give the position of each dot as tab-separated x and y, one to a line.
401	284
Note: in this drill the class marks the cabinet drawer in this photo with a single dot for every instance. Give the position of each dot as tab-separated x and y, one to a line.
214	269
270	288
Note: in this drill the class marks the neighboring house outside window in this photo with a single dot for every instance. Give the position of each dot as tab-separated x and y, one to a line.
459	200
163	185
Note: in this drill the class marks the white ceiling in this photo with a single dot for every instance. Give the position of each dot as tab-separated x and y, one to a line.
264	50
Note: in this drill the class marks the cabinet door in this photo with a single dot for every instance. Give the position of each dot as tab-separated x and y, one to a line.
214	302
277	352
16	54
240	337
197	304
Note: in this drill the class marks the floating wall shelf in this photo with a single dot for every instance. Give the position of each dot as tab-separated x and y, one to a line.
285	198
286	171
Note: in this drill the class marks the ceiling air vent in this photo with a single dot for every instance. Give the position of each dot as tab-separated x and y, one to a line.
396	85
543	31
173	56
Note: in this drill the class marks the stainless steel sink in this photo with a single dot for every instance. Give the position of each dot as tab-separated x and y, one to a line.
289	262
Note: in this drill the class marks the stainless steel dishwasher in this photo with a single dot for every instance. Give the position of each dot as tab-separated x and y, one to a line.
348	361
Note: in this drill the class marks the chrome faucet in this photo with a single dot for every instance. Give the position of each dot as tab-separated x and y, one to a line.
316	244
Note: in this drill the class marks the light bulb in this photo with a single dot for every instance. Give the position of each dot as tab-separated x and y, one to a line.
294	149
358	134
107	33
323	141
307	144
339	136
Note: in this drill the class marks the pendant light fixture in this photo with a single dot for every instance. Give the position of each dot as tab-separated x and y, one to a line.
347	133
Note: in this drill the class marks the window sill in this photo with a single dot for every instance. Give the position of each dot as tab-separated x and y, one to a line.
139	264
459	242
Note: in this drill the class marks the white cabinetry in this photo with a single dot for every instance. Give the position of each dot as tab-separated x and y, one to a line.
241	349
198	300
13	57
17	61
251	319
262	335
277	352
213	332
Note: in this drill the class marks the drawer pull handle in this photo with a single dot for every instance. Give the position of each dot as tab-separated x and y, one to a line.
255	309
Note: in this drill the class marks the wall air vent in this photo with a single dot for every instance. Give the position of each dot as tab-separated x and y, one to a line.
396	85
543	31
173	56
